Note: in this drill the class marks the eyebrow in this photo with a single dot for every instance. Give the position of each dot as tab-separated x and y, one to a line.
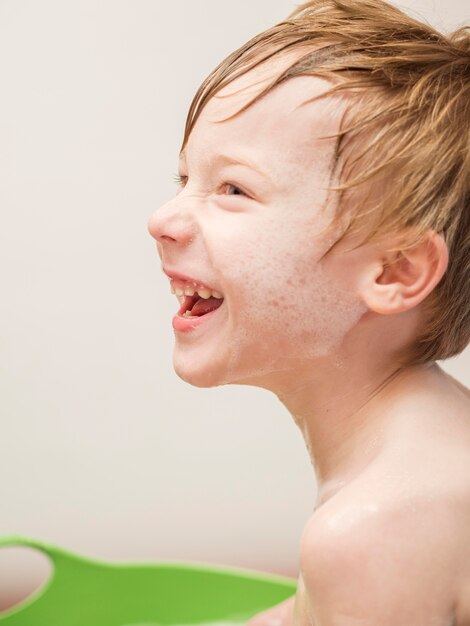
234	160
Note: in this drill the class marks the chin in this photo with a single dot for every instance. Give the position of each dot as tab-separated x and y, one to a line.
216	374
197	374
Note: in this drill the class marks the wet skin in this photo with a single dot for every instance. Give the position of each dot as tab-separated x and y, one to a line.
389	446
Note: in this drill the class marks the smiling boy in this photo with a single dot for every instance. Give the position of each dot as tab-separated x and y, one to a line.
320	248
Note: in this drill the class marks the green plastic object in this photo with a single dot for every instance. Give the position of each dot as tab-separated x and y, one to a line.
84	592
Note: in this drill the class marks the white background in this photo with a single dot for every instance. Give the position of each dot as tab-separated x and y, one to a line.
103	450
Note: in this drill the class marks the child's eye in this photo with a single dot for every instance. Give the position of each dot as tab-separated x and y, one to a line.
237	191
181	181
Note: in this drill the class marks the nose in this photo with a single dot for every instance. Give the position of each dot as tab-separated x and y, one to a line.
170	224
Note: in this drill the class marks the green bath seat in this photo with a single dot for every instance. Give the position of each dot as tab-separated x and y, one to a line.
84	592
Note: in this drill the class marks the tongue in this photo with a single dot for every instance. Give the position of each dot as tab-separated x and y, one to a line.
203	306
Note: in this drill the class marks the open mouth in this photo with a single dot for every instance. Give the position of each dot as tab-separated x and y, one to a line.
197	306
196	300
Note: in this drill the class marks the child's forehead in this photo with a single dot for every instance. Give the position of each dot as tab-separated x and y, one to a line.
284	99
283	125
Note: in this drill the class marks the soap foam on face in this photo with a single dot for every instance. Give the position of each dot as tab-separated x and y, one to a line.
284	304
288	307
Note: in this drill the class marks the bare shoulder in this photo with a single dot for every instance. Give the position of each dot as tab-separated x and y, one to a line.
393	546
392	559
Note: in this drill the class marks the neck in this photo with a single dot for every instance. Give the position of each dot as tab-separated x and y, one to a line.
344	413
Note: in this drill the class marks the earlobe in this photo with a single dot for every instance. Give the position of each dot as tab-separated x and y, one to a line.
399	281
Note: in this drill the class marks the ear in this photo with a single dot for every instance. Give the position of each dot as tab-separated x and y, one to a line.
399	281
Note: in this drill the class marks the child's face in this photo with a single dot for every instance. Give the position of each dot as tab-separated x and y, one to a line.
262	251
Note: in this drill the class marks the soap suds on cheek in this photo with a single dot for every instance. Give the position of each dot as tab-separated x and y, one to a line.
282	303
286	307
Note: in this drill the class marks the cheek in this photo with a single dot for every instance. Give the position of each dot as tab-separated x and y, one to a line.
284	300
259	262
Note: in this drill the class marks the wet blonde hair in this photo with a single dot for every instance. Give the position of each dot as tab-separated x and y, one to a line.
409	88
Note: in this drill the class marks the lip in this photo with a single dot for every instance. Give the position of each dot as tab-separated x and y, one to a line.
188	279
186	324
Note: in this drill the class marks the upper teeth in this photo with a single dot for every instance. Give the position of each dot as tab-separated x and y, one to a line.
187	290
